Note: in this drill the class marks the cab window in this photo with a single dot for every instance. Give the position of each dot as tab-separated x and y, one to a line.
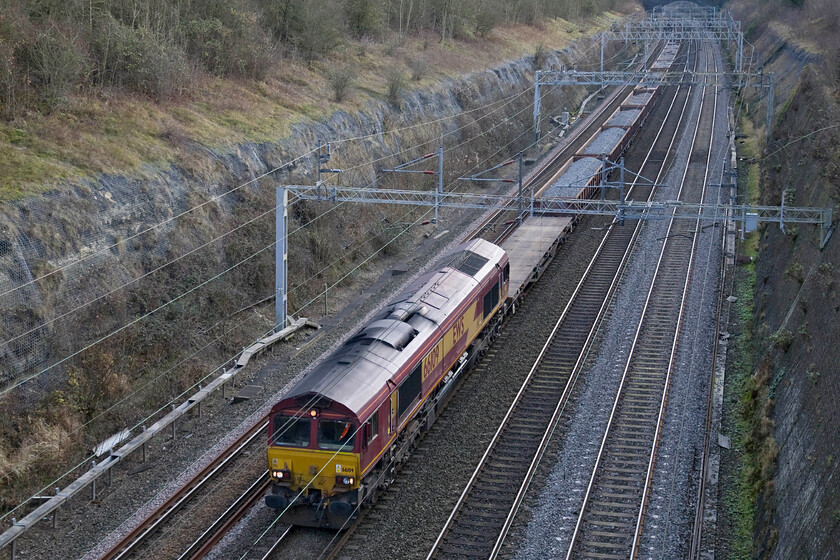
336	435
372	427
491	299
289	430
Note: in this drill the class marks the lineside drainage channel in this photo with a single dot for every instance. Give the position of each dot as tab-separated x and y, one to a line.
99	468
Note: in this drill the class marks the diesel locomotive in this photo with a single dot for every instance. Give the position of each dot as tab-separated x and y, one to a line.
337	437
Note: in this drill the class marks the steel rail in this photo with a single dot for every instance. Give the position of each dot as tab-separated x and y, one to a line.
535	177
334	552
696	236
606	547
561	405
214	533
569	382
700	510
162	515
273	548
512	409
211	536
697	529
225	522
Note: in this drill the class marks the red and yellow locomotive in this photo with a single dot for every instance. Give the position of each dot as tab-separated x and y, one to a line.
337	436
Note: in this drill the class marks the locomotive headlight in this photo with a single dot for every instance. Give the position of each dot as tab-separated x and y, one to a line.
282	475
344	480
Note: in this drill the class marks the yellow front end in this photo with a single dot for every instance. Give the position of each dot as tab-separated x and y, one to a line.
313	470
314	488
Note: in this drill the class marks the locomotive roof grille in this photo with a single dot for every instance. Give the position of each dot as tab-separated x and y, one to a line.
464	261
395	334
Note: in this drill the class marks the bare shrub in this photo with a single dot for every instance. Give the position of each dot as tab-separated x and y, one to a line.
137	60
95	384
486	19
419	68
317	32
341	81
395	80
42	450
364	17
540	56
15	90
393	47
57	63
365	45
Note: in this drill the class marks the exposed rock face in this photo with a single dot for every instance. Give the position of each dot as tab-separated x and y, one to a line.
797	312
797	293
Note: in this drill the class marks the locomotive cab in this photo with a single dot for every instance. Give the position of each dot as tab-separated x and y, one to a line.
313	460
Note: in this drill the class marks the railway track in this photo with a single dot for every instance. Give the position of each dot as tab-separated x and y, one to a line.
231	516
155	527
274	550
612	515
479	523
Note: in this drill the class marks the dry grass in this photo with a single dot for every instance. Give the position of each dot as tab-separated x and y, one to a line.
117	133
47	443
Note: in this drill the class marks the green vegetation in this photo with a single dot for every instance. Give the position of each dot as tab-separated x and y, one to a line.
740	501
795	294
782	339
750	390
754	378
794	271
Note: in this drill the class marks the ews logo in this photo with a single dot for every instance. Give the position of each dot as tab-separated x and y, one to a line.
431	361
458	330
